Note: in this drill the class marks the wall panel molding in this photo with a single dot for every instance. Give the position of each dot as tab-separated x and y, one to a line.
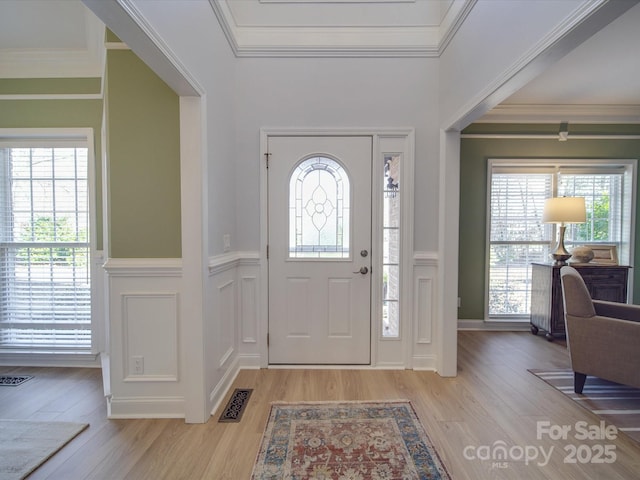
145	316
248	302
143	267
228	261
425	310
424	306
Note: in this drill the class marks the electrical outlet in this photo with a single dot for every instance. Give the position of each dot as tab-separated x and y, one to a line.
226	241
138	364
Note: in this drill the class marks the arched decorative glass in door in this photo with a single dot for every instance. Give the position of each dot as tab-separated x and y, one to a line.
319	209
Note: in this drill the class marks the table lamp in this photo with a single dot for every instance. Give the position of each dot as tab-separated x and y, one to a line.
563	210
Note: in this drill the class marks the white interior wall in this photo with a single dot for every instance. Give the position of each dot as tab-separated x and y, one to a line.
336	93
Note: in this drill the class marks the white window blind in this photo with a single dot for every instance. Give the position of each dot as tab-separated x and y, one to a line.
517	238
45	296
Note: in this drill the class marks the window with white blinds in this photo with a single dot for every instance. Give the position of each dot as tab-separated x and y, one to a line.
517	237
45	294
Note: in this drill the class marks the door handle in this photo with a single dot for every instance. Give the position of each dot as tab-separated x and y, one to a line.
363	271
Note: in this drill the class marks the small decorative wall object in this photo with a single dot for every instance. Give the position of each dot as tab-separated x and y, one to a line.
605	254
582	254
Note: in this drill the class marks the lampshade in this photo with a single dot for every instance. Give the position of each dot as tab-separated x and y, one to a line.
564	210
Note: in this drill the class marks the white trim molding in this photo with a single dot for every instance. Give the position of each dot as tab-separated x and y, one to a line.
226	261
493	326
512	113
145	407
143	267
340	41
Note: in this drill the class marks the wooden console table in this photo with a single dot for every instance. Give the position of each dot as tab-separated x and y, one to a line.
605	282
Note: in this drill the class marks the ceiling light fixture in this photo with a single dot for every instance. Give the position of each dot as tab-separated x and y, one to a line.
563	134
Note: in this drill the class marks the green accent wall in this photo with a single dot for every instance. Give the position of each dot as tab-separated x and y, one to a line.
143	132
111	37
474	155
58	114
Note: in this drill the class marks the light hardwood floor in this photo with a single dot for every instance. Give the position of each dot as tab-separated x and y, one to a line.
493	399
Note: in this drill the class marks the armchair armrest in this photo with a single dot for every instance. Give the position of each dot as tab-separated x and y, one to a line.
623	311
605	347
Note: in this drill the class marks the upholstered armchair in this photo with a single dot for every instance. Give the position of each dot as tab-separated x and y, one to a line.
603	337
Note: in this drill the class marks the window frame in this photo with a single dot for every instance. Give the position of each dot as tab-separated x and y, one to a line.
555	166
78	138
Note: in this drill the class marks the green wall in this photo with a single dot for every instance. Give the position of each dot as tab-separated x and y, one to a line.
474	154
143	149
82	113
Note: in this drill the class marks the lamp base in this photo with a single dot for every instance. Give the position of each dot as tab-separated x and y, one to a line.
561	255
560	258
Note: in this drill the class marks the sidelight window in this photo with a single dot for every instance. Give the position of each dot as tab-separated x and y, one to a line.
391	247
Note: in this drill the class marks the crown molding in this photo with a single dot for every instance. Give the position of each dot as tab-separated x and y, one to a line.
349	41
56	63
511	113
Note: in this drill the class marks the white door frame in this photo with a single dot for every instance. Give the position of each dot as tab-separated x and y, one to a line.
385	353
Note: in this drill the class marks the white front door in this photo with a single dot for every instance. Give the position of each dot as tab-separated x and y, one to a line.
319	250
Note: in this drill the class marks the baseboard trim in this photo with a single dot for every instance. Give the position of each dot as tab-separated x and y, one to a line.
219	392
489	326
424	362
249	361
145	407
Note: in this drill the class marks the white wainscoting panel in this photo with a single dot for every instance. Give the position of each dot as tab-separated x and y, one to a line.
425	281
425	301
145	317
227	320
146	378
249	309
232	335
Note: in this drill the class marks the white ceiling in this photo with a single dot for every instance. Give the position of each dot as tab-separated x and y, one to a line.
62	38
604	70
49	38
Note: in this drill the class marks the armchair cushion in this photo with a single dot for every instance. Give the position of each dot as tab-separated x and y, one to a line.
623	311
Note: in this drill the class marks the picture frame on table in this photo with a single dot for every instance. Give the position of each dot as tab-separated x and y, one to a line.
605	254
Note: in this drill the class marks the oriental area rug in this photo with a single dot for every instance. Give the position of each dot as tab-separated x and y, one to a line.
616	404
346	441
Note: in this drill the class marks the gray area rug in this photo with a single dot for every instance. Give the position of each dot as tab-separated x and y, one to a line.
25	445
617	404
